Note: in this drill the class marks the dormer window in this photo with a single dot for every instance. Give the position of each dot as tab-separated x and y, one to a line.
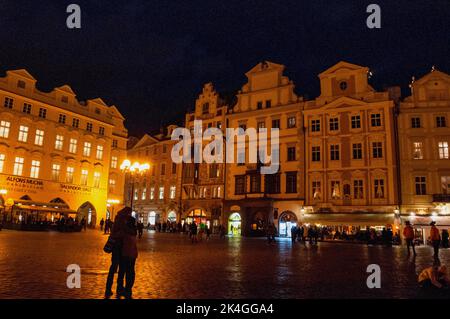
97	110
205	108
343	85
21	84
64	99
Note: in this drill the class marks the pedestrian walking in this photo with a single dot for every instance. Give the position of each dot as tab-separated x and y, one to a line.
83	224
102	222
408	234
116	238
293	233
140	229
435	239
107	226
193	232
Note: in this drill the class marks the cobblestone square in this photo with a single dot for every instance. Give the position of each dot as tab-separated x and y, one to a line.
33	265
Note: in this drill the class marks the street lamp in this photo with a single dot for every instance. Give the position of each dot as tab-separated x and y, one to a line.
112	203
133	170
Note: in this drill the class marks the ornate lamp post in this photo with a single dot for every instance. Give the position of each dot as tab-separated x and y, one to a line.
134	170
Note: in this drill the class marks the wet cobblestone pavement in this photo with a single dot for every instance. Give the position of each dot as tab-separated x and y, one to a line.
33	265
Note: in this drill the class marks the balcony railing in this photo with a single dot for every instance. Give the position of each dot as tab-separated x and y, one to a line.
441	198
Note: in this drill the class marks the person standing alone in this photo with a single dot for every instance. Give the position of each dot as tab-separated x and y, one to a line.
408	234
435	239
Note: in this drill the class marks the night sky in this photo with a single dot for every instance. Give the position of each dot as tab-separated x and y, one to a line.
151	58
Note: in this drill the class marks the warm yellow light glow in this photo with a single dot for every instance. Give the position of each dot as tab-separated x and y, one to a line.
125	165
135	167
113	201
144	167
3	191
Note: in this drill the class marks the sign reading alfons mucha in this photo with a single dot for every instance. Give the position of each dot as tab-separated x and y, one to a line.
22	184
26	185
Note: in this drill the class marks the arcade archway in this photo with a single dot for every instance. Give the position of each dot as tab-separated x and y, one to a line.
198	215
88	212
286	221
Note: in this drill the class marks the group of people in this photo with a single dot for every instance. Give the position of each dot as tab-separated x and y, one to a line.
196	233
124	254
436	239
106	225
302	233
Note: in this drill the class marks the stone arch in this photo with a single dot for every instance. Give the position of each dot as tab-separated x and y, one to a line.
88	212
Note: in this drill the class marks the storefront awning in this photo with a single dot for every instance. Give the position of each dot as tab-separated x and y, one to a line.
350	219
46	209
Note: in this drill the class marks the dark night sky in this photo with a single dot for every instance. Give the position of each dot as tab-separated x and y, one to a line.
151	58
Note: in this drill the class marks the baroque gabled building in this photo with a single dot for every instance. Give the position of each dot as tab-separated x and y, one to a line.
424	135
203	184
350	152
253	200
58	155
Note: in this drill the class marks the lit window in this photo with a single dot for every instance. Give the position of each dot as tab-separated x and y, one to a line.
99	154
96	179
358	189
2	162
173	191
418	150
443	150
35	165
152	193
87	149
144	193
23	133
73	145
18	166
136	194
4	129
379	188
161	192
112	185
291	122
39	137
84	177
56	169
69	174
114	162
59	142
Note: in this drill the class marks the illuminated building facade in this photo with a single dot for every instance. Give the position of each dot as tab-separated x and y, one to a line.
424	134
203	184
154	194
58	155
351	167
254	200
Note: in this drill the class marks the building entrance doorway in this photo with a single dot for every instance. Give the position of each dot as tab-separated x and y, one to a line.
286	222
234	224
